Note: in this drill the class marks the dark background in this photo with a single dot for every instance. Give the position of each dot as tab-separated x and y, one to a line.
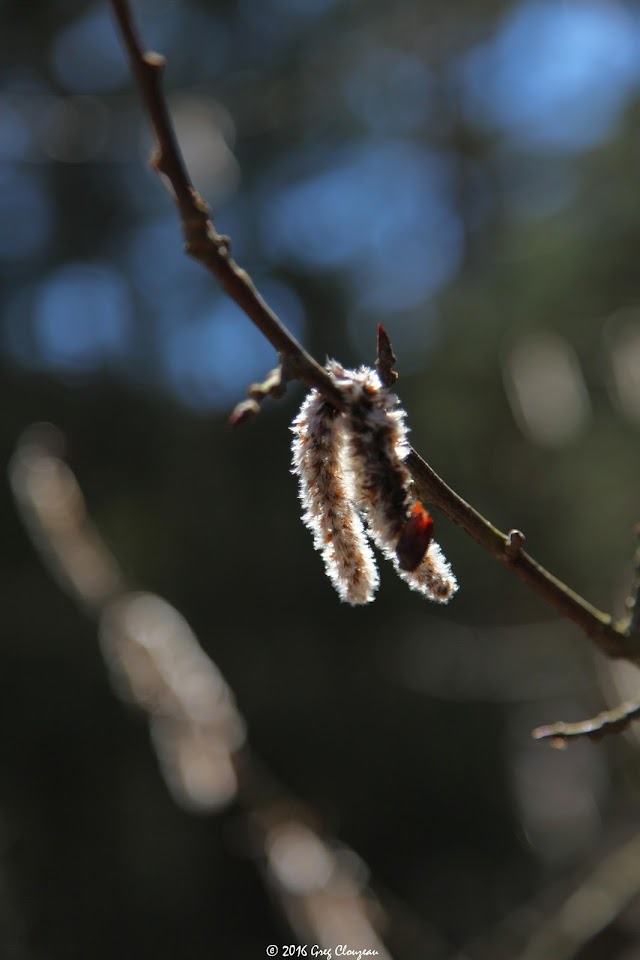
467	174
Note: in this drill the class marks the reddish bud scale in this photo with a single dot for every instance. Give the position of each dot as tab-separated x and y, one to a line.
415	538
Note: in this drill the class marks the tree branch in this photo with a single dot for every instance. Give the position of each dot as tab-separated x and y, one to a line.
202	241
212	250
607	722
614	639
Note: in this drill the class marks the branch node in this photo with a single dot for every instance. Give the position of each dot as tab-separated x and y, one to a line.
514	543
154	60
274	385
203	207
224	244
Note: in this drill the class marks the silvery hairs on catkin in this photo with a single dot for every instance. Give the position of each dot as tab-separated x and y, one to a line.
352	463
328	510
377	444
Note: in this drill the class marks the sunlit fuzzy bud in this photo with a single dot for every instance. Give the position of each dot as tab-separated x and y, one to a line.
319	451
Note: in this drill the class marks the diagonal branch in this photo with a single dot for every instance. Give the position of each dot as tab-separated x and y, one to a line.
202	241
614	639
212	250
607	722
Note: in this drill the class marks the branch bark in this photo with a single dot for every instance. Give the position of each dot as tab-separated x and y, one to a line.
202	241
605	723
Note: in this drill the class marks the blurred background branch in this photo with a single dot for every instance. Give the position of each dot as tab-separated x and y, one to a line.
612	886
607	722
197	732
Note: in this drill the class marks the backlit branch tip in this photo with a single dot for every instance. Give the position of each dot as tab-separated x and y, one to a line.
274	385
608	722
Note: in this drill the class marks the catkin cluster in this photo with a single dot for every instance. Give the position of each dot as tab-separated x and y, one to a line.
355	488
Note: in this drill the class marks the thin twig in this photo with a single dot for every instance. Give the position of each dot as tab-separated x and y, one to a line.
607	722
212	250
274	385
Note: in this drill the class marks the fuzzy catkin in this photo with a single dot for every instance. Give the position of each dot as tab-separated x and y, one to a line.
433	578
328	511
377	443
380	481
351	466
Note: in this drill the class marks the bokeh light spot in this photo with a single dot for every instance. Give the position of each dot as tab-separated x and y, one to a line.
381	208
556	75
546	389
624	343
81	317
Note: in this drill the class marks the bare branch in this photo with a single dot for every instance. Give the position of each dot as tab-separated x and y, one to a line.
274	385
612	638
322	897
54	512
153	656
212	250
202	241
607	722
